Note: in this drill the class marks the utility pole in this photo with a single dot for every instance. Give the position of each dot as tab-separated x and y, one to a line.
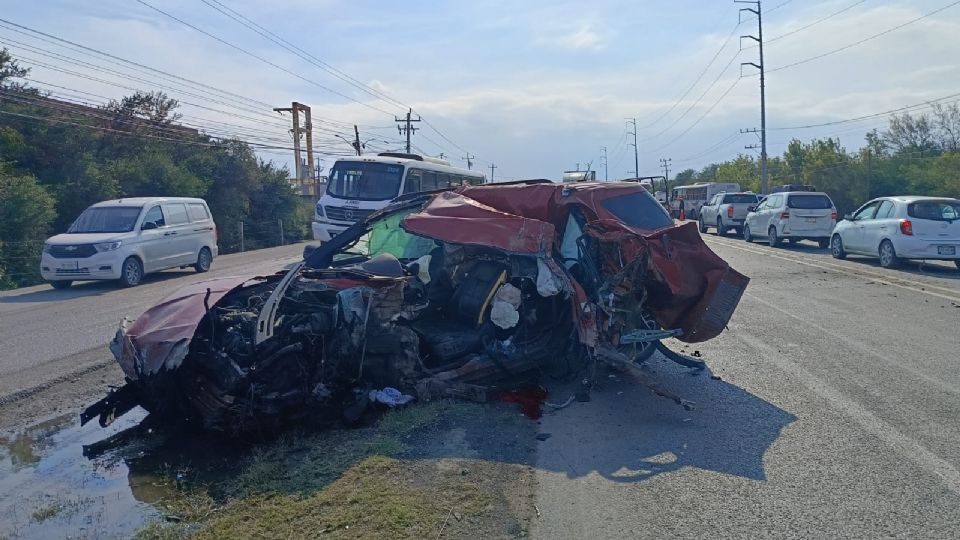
606	177
665	163
356	139
763	97
441	155
492	167
297	132
469	160
407	128
636	158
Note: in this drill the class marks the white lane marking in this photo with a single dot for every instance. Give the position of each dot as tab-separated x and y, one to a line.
908	447
857	273
934	381
833	264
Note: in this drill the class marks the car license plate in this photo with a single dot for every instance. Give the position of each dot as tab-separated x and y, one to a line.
811	220
946	250
70	265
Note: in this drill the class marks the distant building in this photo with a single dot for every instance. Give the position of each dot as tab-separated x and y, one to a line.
579	176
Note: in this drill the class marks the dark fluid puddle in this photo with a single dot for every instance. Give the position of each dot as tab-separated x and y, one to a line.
61	480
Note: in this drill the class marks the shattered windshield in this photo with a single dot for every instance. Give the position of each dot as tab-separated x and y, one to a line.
115	219
387	236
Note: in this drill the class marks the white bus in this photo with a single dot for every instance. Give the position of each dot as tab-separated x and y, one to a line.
695	196
359	186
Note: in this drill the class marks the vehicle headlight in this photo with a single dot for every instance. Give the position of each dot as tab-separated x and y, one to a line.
46	248
107	246
319	210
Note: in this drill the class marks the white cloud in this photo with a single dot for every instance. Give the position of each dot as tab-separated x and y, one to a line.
584	38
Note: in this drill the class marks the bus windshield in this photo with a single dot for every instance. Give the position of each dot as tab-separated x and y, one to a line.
364	181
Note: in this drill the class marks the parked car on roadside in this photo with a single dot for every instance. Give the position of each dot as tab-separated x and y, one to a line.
726	211
904	227
792	216
125	239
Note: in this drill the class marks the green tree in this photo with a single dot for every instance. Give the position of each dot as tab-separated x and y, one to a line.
26	212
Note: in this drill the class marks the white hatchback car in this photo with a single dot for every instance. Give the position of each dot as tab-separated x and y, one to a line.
793	216
895	228
125	239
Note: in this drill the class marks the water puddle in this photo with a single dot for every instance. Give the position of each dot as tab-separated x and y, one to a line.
60	480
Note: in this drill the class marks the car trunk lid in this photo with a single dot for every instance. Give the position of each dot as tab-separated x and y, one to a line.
935	220
809	212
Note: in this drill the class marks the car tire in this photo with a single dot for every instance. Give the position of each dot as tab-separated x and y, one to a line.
721	230
131	273
836	247
824	243
747	237
701	225
888	255
773	239
64	284
204	260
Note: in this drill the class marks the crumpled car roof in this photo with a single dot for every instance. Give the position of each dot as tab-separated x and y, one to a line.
453	217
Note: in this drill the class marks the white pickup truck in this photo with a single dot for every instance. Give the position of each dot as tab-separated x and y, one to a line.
726	211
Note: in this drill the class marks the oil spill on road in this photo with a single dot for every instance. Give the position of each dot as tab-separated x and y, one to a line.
60	480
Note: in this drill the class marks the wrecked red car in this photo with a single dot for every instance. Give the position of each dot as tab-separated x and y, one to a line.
461	293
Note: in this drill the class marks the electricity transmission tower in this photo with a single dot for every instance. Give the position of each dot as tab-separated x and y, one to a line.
763	97
606	177
407	128
636	158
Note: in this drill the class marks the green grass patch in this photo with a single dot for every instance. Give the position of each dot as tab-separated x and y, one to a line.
346	483
42	514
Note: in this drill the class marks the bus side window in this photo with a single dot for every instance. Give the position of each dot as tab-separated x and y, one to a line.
429	181
412	184
443	181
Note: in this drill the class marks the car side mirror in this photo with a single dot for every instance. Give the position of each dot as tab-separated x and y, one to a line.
751	208
148	225
847	217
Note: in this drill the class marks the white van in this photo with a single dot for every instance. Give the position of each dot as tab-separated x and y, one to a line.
125	239
359	186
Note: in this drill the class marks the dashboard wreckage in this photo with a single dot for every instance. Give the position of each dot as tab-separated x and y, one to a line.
462	293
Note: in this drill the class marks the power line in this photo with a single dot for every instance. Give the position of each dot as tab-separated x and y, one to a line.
80	63
697	80
233	14
33	33
864	40
870	116
695	103
238	17
704	115
816	22
260	58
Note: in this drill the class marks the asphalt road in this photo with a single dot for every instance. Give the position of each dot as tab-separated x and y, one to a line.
830	411
48	334
830	407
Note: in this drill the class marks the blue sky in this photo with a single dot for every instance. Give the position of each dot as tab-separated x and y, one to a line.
535	87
